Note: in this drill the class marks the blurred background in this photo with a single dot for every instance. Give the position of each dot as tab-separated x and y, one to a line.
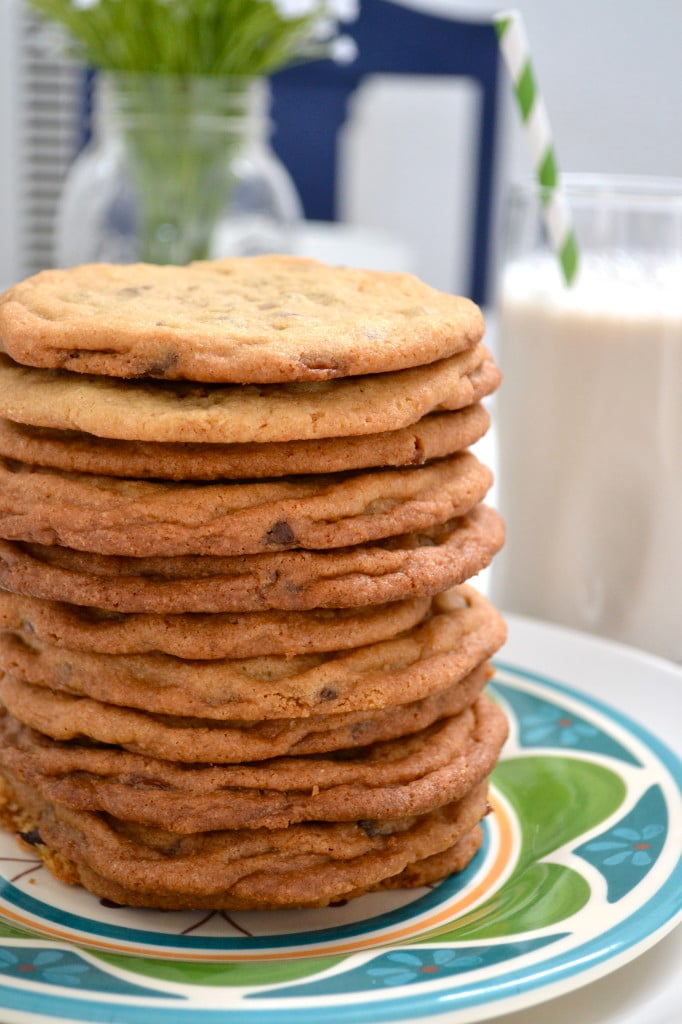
412	185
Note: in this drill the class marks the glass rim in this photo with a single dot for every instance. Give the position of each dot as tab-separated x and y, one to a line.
631	191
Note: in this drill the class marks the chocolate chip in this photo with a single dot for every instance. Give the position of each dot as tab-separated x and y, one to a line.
161	367
193	391
370	828
33	838
280	534
327	693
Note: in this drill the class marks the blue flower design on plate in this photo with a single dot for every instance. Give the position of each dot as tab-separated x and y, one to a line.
627	851
51	965
552	725
544	723
63	968
402	967
629	844
415	966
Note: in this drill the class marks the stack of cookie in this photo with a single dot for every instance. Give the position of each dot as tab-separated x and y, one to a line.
241	666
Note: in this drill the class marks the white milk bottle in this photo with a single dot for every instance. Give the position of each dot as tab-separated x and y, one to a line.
589	416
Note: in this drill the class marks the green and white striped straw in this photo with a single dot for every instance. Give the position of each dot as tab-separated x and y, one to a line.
516	54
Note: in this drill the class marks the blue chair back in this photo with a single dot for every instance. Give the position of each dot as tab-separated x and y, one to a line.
310	104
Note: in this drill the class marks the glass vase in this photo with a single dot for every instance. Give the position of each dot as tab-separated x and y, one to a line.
178	169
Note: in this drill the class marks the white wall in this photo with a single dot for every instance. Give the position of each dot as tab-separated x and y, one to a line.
611	75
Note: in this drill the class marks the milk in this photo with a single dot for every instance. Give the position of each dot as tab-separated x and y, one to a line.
590	447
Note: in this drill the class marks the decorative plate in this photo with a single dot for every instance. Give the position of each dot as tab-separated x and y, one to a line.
580	871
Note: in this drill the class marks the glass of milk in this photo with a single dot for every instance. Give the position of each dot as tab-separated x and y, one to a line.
589	414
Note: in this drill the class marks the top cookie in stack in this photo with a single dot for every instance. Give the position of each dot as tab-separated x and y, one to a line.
263	320
234	499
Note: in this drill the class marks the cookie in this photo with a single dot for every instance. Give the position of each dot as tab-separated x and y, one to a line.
463	630
250	320
451	745
38	759
420	872
311	864
159	411
198	637
409	775
414	565
393	778
429	870
110	516
433	437
236	741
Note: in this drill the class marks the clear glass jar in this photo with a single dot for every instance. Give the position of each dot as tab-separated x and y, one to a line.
178	169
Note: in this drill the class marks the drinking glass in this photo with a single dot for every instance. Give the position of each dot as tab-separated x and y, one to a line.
589	414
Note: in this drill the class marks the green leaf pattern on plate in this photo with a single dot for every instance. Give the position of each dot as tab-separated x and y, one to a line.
555	799
223	974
